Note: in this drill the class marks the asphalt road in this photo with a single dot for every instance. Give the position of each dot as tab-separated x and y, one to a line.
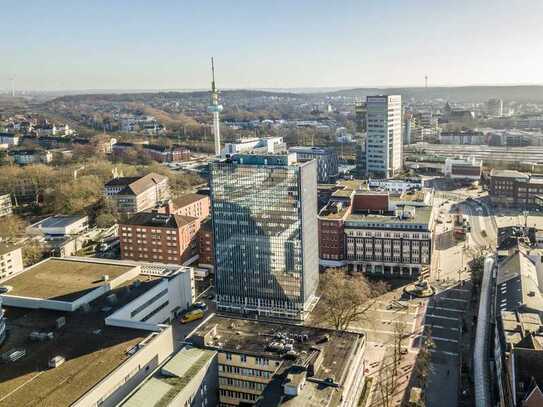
483	224
443	323
181	331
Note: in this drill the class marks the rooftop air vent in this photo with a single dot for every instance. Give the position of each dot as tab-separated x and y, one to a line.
56	361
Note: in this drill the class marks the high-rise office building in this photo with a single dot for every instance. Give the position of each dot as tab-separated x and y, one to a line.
494	107
360	112
327	161
409	125
384	151
264	210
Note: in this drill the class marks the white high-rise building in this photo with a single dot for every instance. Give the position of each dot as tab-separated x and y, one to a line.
494	107
384	149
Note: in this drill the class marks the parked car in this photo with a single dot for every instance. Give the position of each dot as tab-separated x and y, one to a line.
192	316
200	305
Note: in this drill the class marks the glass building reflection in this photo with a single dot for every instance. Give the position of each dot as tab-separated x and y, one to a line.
265	234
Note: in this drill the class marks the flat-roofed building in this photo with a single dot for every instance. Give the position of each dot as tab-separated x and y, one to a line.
11	260
65	284
375	233
278	364
327	161
163	238
265	145
60	225
265	234
10	139
70	283
97	356
6	207
515	189
384	152
462	137
189	378
393	244
136	194
463	168
31	156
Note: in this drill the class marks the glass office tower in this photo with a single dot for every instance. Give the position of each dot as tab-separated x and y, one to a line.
264	210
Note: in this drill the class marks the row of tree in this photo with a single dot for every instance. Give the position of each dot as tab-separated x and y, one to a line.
78	188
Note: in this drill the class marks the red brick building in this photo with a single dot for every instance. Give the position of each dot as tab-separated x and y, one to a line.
193	205
331	232
164	154
205	244
162	238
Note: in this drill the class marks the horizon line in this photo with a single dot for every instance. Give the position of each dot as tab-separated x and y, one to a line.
299	89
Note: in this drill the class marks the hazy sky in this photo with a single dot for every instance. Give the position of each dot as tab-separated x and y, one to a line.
114	44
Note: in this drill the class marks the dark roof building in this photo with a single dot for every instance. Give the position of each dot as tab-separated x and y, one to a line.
519	339
278	364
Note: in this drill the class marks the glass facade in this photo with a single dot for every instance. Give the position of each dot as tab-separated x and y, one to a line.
264	211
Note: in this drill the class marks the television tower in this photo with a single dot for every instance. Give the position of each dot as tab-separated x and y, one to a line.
12	80
215	108
426	81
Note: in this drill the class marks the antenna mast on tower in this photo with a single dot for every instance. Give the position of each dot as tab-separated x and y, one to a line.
215	108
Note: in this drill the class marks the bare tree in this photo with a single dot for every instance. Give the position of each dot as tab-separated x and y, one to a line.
400	333
11	227
386	385
33	252
346	298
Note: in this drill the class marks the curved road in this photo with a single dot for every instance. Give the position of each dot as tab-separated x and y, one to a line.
483	225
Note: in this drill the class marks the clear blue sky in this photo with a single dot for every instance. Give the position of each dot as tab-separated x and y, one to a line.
117	44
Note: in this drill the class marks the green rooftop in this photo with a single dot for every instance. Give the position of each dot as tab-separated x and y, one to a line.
162	389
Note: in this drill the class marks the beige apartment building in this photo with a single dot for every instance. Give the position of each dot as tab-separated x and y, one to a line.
11	260
136	194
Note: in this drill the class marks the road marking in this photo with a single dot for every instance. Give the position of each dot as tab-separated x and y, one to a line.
453	299
377	331
442	327
446	309
442	317
460	289
437	338
444	352
394	311
412	322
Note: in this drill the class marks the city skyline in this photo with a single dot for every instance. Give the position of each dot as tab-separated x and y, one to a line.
132	46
